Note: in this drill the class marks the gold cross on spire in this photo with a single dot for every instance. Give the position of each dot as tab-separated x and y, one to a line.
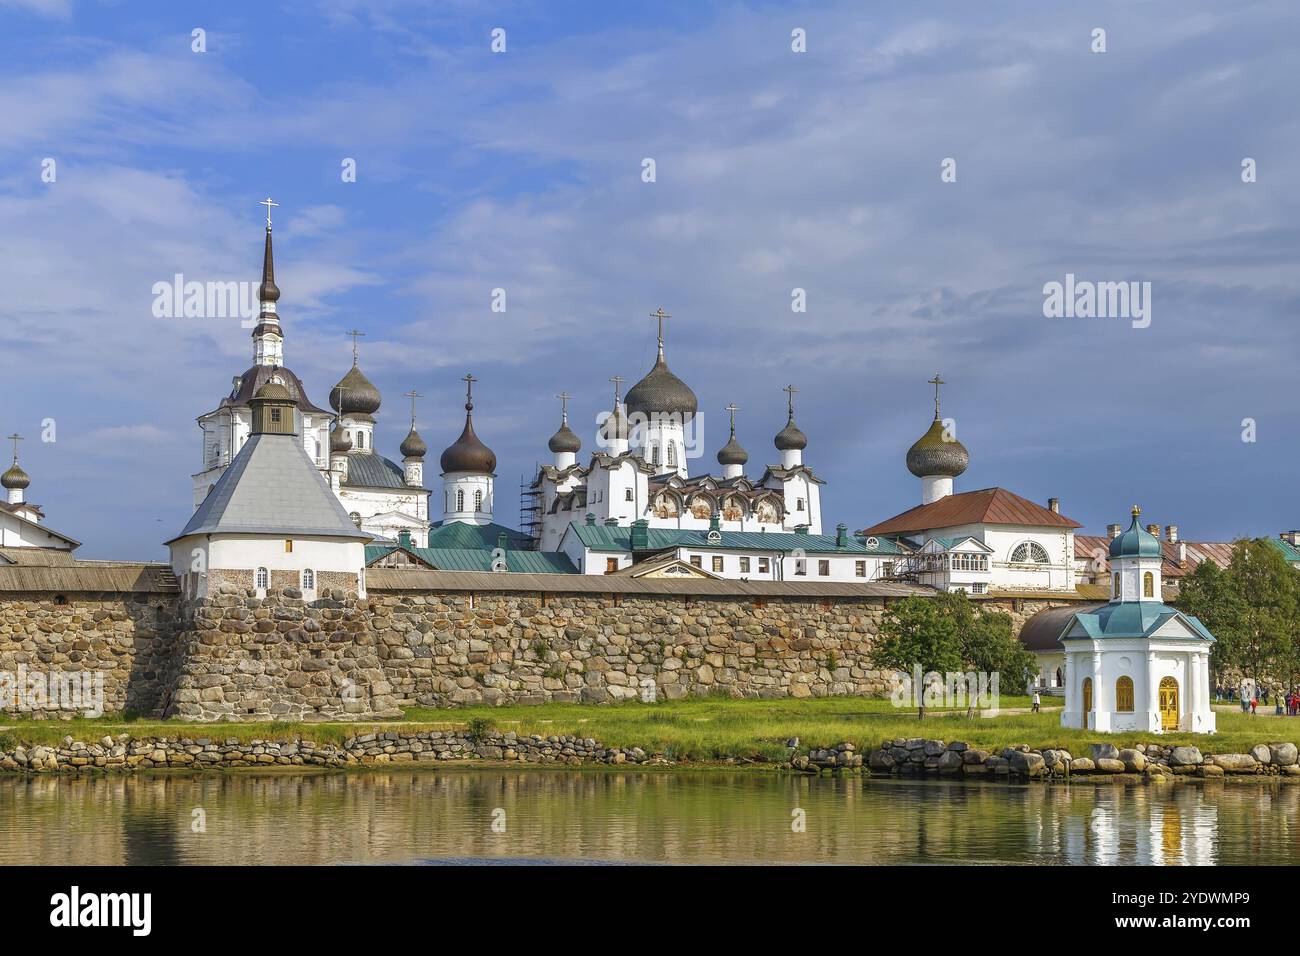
660	314
15	438
355	335
268	202
413	395
618	384
564	406
790	390
936	382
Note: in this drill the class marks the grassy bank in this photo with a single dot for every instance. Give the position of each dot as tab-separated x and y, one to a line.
704	729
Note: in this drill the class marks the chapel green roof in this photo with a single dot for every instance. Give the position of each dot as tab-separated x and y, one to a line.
599	537
462	534
1130	619
1136	542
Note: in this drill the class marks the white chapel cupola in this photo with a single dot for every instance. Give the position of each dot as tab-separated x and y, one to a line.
564	444
732	456
790	441
1135	560
937	457
15	480
413	449
356	400
468	468
659	408
613	427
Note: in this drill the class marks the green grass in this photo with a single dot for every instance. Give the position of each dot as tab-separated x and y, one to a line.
705	729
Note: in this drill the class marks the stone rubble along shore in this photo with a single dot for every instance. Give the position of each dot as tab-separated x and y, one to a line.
918	755
124	753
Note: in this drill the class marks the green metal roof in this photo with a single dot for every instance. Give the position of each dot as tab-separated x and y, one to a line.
1136	542
1288	550
480	559
460	534
1131	619
601	537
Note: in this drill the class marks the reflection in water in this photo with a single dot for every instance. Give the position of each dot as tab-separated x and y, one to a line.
696	817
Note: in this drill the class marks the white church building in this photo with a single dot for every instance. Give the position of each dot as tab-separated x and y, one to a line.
1135	663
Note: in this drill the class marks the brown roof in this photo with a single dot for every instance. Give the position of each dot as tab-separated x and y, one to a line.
83	576
986	506
1041	631
1220	552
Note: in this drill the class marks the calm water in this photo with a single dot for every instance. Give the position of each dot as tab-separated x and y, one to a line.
594	816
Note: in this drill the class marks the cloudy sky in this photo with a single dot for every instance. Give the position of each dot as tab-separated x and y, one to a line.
774	170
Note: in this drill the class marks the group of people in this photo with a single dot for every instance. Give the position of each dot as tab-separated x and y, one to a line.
1252	697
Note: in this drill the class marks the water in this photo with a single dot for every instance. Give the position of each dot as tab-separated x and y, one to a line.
592	816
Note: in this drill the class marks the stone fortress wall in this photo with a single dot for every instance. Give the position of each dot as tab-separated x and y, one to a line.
454	638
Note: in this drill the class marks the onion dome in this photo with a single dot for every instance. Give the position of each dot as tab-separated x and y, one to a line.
340	442
468	453
564	440
354	394
731	453
661	392
933	455
15	477
614	427
790	438
1136	542
413	445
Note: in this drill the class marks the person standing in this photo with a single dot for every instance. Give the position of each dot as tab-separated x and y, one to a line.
1037	700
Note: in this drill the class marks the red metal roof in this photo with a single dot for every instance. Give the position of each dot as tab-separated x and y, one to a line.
986	506
1220	552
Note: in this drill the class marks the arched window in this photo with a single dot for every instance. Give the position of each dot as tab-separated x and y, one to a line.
261	579
654	454
1116	586
361	439
308	579
460	499
1124	695
1148	584
1029	552
478	500
672	455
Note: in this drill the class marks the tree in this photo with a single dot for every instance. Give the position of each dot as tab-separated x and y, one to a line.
916	632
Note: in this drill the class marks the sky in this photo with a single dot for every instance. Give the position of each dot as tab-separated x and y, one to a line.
774	170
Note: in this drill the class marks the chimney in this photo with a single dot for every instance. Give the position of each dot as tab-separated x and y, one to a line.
640	534
403	538
715	521
841	535
1182	552
1112	531
1054	505
1153	529
1171	532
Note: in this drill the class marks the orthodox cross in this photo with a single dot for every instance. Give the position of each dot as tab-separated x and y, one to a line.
268	202
618	384
355	335
732	408
15	438
660	314
790	390
413	395
936	382
564	406
469	381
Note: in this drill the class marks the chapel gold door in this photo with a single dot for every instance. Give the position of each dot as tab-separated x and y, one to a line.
1168	704
1087	700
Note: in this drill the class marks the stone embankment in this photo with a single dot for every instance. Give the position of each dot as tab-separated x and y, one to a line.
124	753
919	756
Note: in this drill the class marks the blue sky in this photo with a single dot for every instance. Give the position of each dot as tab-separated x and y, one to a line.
775	170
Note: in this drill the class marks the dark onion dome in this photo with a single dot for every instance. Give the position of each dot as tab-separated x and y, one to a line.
354	395
790	438
15	477
413	445
933	456
340	441
268	291
1136	542
661	393
614	427
259	375
564	440
467	453
731	453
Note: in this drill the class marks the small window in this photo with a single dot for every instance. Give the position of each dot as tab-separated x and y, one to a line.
764	565
478	500
261	579
801	567
460	500
627	494
1148	584
696	561
1115	586
288	545
860	568
744	565
275	416
717	563
672	455
308	579
979	587
823	568
1124	695
799	505
611	565
654	454
356	518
